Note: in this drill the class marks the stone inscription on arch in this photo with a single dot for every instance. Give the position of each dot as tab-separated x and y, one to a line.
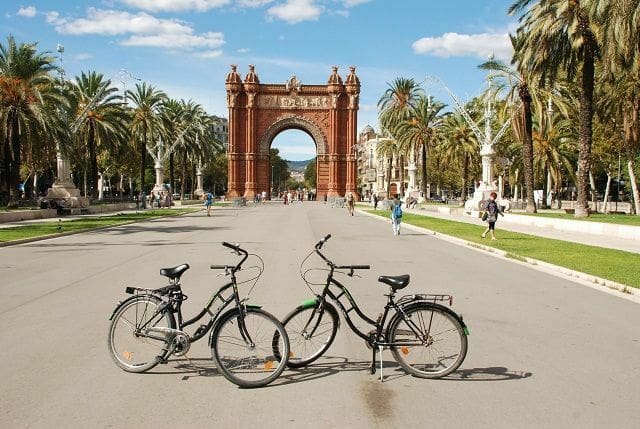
259	112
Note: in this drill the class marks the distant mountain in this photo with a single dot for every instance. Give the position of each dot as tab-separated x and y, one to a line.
298	165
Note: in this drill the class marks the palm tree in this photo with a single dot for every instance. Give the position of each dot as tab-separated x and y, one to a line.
555	36
146	122
395	107
99	119
518	93
420	131
27	91
459	144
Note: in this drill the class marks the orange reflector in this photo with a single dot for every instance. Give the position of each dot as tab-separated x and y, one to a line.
268	365
127	355
290	355
405	350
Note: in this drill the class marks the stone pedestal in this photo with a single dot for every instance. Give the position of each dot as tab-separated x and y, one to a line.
200	185
64	193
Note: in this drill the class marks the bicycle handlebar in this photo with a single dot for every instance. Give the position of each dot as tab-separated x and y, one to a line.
320	243
334	266
236	249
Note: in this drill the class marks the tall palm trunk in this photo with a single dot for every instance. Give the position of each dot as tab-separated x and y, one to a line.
14	172
630	120
93	161
171	171
183	183
594	195
389	165
527	148
143	158
586	129
6	165
401	160
424	171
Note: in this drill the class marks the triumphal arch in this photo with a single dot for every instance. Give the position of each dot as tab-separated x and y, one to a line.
259	112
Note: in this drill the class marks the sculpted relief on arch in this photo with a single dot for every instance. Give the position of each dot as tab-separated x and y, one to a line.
259	112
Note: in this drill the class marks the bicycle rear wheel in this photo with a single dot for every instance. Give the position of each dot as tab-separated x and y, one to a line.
311	332
246	357
432	341
131	346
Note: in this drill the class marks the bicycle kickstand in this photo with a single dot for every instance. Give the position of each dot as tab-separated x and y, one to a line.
381	348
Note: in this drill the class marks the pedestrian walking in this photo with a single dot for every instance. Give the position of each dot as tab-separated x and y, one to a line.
490	215
152	198
375	201
208	202
264	197
351	202
396	215
289	196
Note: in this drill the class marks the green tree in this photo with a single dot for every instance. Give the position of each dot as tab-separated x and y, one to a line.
146	122
27	93
279	170
559	36
459	145
419	131
310	174
100	122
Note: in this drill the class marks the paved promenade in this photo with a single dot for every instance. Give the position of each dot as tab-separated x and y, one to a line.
543	351
629	245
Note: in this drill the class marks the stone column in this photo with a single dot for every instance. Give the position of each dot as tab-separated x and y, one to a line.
233	85
335	89
63	190
352	85
200	185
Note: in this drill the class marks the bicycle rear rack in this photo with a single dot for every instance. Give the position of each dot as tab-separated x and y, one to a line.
429	297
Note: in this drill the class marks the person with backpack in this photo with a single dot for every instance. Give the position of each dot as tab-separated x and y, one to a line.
350	203
396	215
208	202
490	215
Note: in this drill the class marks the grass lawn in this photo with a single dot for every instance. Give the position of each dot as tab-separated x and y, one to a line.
620	219
616	265
54	227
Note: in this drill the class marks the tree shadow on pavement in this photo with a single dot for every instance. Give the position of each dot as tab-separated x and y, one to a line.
494	373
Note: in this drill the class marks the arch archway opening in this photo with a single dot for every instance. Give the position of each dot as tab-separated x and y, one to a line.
292	159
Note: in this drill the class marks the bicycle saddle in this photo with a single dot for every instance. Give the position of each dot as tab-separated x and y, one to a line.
175	272
396	282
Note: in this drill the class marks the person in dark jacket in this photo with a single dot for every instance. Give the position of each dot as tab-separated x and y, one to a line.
492	210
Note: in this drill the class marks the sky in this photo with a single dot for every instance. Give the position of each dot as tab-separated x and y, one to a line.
185	47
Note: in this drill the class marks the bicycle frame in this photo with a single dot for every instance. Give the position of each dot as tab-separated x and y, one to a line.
379	324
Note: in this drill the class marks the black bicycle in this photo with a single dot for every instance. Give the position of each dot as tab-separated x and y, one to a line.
144	331
427	339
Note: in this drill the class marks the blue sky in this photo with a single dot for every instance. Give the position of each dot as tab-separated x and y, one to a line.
185	46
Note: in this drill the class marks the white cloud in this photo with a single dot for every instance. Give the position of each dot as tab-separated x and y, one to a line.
352	3
295	11
53	17
465	45
82	57
175	5
27	12
209	54
141	28
243	50
253	3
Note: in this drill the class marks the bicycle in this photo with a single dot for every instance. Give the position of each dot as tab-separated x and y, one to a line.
427	339
144	331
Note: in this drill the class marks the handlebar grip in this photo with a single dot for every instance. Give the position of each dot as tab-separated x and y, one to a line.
230	246
326	237
219	267
361	267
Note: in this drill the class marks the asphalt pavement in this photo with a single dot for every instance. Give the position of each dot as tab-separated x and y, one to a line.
543	351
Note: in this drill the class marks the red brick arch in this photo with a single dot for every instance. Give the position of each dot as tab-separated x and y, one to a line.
259	112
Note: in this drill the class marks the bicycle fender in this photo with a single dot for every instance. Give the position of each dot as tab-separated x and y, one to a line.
445	309
121	303
309	303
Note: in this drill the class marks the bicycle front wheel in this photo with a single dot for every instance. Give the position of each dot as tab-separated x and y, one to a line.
243	347
311	332
136	339
430	341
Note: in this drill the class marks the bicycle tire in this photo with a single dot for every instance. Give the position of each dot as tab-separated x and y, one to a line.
303	350
131	352
445	336
244	365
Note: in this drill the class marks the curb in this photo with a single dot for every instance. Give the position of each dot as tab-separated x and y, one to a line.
65	234
598	283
